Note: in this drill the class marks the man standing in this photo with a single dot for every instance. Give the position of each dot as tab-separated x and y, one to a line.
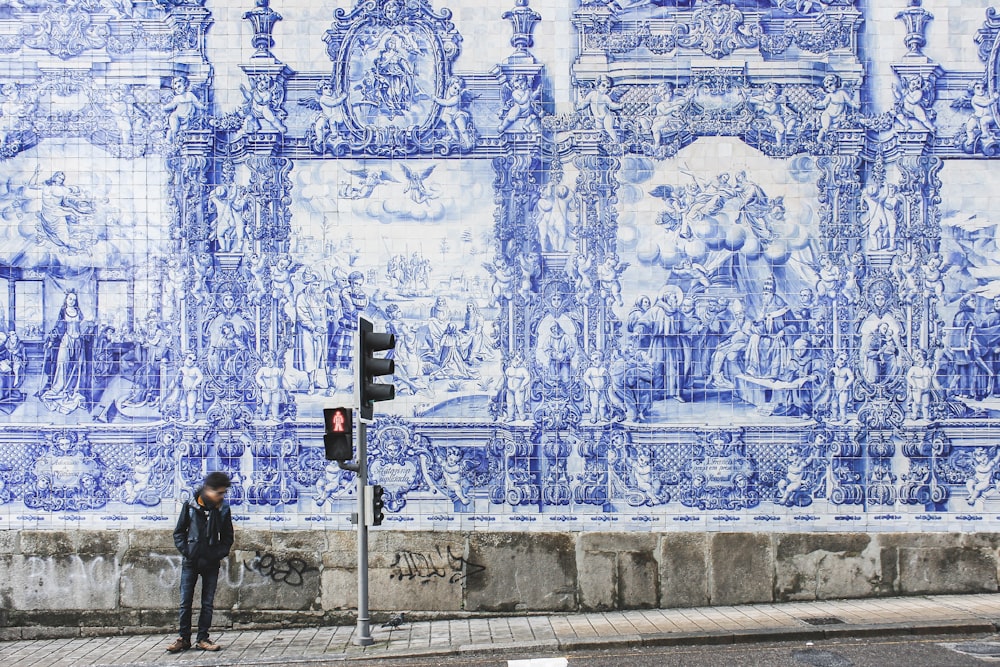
204	536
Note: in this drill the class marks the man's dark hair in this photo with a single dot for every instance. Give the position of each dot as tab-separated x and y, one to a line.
217	480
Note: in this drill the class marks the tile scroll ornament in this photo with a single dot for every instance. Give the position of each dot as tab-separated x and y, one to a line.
719	278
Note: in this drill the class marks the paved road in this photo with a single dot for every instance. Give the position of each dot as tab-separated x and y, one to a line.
920	652
896	632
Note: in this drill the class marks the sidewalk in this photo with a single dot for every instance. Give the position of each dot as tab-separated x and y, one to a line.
946	614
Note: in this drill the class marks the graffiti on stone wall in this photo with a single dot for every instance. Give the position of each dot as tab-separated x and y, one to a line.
428	566
279	569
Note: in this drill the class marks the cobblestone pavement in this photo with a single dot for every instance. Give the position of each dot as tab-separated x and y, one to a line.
565	632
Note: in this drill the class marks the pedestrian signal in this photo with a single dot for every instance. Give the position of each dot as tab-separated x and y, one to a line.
338	439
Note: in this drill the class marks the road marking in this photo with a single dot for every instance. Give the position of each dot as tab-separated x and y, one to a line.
539	662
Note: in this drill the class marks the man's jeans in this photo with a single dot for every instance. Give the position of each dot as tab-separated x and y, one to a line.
209	580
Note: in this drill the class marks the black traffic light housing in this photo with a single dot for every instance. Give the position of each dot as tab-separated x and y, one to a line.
338	439
378	504
371	367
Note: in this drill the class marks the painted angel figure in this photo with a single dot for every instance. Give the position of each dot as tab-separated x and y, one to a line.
456	120
981	125
504	278
262	106
664	114
181	108
834	105
773	106
882	218
370	179
329	118
578	270
609	275
521	103
912	101
419	192
601	106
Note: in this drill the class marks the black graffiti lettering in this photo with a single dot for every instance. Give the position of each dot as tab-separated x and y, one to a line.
291	572
410	565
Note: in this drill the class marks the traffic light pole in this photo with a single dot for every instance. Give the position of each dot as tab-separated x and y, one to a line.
363	636
367	391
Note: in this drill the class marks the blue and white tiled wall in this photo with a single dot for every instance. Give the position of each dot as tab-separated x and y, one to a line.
652	264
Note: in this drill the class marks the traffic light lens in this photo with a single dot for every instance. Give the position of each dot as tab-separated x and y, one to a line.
337	420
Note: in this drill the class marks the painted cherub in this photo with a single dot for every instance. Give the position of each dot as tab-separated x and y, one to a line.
330	483
645	480
268	380
142	474
595	380
518	380
983	468
456	120
329	108
601	106
843	382
933	277
834	105
189	378
522	104
795	477
504	279
609	276
827	286
919	382
181	108
773	106
12	110
665	112
262	106
982	123
453	469
910	111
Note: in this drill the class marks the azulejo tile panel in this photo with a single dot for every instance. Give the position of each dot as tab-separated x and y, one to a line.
701	278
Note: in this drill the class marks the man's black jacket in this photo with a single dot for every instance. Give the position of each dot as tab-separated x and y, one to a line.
192	536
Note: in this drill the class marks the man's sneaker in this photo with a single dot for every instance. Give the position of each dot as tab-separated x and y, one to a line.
180	644
206	645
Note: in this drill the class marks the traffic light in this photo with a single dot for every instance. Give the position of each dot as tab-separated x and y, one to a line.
338	439
371	367
374	505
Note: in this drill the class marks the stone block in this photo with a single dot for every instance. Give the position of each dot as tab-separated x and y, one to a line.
341	549
617	570
638	580
339	589
150	581
947	569
151	541
598	580
418	571
817	566
83	582
99	541
742	568
683	570
308	541
254	539
521	571
43	543
8	541
276	579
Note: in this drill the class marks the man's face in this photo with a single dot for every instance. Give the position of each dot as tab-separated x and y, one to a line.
214	495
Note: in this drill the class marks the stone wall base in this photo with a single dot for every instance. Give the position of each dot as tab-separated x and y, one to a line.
70	583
